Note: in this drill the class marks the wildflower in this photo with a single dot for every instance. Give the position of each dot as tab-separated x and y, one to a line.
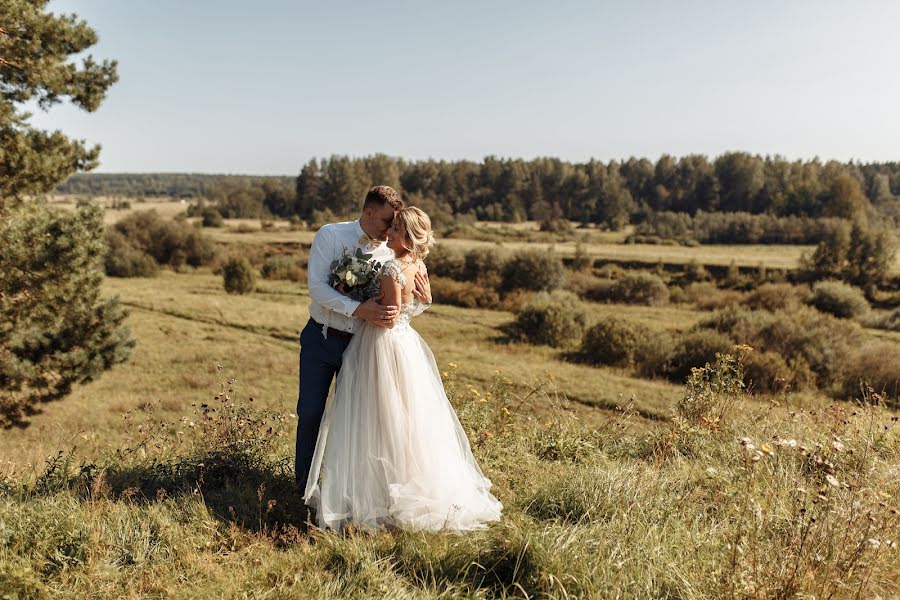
767	449
445	374
874	543
504	410
837	445
451	365
742	348
832	480
711	471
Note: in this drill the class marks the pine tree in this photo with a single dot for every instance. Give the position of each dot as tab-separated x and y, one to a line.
55	329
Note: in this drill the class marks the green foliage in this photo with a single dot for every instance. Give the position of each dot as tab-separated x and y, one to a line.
238	276
640	288
55	329
36	48
533	270
124	260
860	254
172	243
695	349
618	342
211	217
554	319
463	293
839	299
284	267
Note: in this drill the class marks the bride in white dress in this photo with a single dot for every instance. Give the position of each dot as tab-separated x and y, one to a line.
391	452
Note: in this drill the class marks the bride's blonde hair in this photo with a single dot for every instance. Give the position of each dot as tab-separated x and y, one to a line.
416	228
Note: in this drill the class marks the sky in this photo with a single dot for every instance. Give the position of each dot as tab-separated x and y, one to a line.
262	87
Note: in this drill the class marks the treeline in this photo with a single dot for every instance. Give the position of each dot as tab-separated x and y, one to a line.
174	185
609	194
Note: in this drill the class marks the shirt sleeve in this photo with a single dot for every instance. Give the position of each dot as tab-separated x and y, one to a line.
320	257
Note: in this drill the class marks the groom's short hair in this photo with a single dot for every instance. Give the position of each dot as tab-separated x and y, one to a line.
380	195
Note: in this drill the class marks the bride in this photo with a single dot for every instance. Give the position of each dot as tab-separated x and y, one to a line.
391	452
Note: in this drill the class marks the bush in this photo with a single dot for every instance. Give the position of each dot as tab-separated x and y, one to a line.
706	296
588	286
211	217
283	267
640	288
462	293
617	342
168	242
695	349
766	372
443	261
535	270
238	276
876	365
124	260
839	299
889	321
773	296
484	265
807	339
554	319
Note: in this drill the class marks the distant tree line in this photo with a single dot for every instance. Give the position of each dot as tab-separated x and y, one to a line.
174	185
609	194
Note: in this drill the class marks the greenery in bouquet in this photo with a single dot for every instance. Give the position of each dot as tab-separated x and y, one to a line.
353	275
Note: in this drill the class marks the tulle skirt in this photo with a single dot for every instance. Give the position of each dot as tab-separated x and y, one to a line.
391	452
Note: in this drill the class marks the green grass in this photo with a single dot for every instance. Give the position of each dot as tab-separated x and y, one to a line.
684	511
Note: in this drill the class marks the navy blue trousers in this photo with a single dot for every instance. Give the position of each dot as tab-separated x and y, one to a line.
320	361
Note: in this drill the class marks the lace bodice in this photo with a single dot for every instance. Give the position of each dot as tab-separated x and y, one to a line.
394	269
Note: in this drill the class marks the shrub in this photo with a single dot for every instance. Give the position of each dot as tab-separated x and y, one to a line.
706	296
533	270
588	286
484	265
766	372
876	365
640	288
677	295
800	334
168	242
283	267
773	296
124	260
211	217
839	299
443	261
695	349
238	276
889	321
463	293
616	342
554	319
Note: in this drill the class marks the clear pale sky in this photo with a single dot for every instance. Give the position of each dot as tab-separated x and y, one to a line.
262	87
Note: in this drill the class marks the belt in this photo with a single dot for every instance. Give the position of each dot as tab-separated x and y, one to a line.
342	335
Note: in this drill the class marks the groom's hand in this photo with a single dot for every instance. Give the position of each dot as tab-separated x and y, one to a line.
377	314
422	291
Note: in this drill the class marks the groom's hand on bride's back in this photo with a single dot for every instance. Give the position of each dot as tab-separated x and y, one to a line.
377	314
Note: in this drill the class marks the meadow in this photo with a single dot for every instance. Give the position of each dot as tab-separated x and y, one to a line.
171	475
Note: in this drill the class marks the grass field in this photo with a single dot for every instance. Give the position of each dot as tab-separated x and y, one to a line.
690	492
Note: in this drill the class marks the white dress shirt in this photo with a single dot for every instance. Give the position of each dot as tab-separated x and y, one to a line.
329	307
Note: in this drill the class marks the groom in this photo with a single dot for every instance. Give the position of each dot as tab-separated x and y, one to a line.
334	317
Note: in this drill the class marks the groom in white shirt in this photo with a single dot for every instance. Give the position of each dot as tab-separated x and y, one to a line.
335	317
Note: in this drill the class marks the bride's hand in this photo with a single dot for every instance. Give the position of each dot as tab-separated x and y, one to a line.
422	291
377	314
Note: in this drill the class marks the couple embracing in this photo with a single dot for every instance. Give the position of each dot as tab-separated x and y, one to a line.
386	450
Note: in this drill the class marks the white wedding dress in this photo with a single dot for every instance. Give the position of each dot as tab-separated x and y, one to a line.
391	452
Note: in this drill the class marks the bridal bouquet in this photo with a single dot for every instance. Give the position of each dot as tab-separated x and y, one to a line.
354	276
